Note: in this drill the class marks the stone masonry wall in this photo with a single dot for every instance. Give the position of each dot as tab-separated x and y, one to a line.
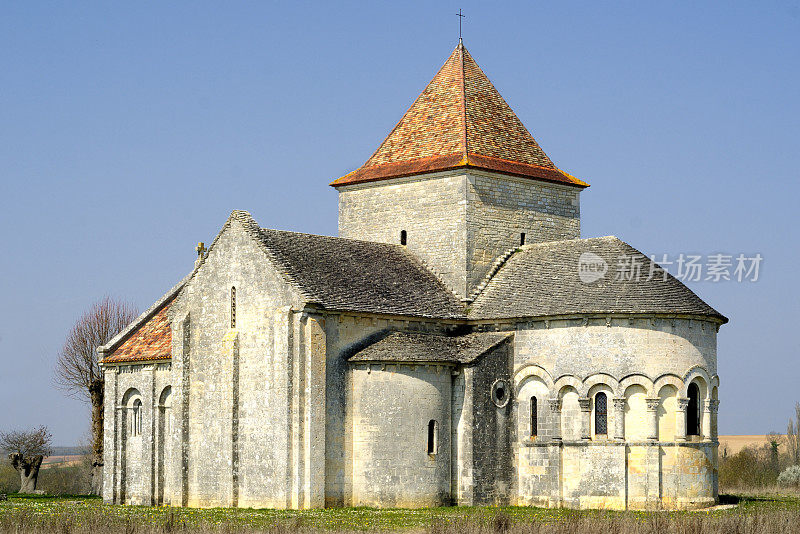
132	472
645	458
487	477
237	386
393	405
459	223
432	211
500	208
345	334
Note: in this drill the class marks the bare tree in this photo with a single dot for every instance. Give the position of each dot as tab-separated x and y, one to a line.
77	370
793	436
774	441
27	449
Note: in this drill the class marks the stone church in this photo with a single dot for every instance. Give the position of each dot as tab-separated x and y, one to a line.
457	344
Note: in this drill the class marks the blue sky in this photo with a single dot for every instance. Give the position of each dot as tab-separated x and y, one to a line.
129	131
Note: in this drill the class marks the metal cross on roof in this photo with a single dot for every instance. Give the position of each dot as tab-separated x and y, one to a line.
460	16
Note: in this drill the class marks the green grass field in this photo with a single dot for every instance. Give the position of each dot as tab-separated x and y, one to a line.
80	514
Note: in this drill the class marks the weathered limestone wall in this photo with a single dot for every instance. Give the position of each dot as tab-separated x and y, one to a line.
500	208
393	405
245	391
345	335
644	366
134	453
485	474
648	346
431	209
459	223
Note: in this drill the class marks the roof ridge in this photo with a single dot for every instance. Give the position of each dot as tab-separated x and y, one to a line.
498	263
411	107
255	231
436	276
460	47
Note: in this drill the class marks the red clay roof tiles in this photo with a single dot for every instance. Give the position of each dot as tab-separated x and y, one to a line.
459	120
151	341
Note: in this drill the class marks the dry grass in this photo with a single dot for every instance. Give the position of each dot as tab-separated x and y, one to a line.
756	515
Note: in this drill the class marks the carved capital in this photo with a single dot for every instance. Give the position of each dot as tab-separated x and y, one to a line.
555	405
585	404
619	403
652	404
683	403
712	405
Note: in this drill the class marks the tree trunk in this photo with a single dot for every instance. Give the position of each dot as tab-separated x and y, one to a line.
28	471
96	395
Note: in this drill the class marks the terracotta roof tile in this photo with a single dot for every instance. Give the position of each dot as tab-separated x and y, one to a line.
151	341
459	121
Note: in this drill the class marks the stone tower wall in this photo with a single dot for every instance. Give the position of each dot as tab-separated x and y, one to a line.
500	208
459	223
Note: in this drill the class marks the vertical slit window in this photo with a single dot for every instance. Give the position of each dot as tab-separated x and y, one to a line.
534	417
432	436
693	411
136	418
233	307
601	414
522	238
403	237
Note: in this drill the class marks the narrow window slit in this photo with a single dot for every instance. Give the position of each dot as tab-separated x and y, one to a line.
403	237
534	417
522	238
693	411
233	307
601	414
432	436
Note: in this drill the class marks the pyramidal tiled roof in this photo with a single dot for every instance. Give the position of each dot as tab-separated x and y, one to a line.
459	120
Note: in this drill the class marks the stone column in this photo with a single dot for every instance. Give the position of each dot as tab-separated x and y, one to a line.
706	423
315	420
586	415
713	406
148	434
619	419
652	413
110	430
555	417
680	419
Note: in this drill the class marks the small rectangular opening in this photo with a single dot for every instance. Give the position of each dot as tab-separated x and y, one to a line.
432	431
403	236
522	238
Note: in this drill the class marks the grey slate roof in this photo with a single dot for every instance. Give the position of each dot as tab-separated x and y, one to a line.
543	280
351	275
418	347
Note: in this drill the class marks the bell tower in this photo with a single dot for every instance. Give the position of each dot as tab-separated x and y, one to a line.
459	181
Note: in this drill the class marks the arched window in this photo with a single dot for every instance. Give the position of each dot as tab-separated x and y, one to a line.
233	307
601	414
433	437
693	411
534	417
136	418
